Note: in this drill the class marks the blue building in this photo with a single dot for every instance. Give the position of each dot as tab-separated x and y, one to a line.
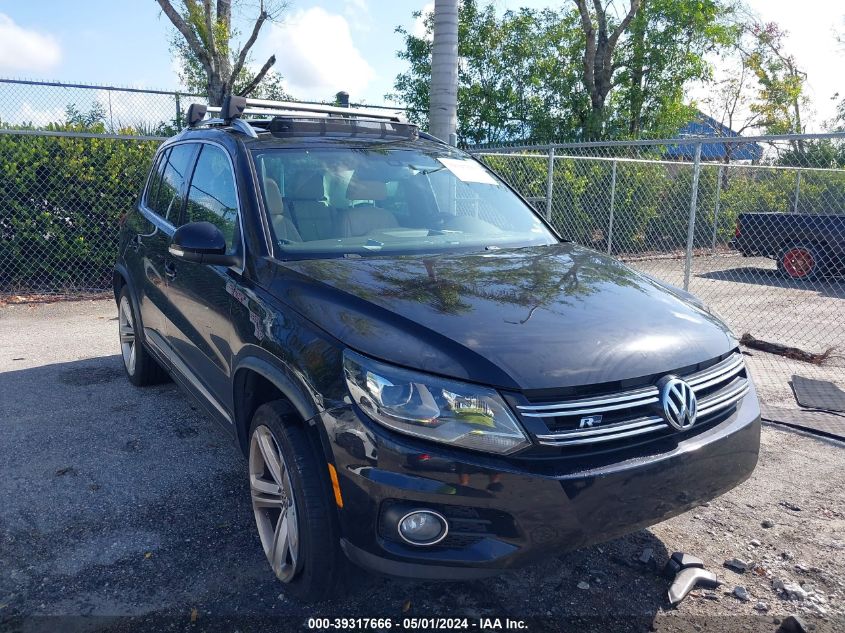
704	125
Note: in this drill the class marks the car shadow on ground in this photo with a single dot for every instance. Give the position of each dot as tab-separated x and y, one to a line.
829	286
128	502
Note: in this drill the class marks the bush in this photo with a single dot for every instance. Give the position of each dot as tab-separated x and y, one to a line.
652	201
61	201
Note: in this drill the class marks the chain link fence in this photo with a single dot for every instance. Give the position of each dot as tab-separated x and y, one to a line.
74	158
755	227
62	195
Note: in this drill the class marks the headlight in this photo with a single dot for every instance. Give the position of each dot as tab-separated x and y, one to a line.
432	408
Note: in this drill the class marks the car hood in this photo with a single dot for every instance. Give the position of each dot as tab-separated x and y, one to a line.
530	318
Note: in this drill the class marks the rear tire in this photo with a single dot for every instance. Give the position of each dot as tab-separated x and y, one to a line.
801	262
141	368
294	506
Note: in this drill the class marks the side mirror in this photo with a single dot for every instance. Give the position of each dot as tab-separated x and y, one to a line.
201	243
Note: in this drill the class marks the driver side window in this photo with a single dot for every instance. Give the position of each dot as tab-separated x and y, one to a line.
213	197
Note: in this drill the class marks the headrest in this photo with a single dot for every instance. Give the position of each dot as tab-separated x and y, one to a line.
273	197
361	189
307	185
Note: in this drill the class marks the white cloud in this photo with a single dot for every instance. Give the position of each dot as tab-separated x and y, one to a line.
26	50
27	114
358	14
418	29
316	55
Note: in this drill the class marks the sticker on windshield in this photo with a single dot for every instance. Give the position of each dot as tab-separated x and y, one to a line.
468	171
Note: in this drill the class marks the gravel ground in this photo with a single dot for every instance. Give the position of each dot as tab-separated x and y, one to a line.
118	501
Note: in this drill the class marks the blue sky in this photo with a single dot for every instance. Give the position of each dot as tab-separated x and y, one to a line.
126	43
322	46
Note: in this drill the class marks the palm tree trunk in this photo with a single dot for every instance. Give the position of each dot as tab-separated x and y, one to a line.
443	104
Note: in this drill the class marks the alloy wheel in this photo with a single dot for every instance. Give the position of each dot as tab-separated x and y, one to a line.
274	504
126	328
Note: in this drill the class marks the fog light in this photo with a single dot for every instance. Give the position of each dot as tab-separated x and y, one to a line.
423	527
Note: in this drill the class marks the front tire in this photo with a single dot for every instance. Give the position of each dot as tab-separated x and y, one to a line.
293	505
141	368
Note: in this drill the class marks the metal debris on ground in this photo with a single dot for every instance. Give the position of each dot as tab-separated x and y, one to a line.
688	579
679	561
688	572
818	394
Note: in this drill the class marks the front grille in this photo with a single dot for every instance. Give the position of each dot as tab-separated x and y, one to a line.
718	389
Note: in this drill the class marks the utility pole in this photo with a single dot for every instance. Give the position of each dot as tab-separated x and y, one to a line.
443	94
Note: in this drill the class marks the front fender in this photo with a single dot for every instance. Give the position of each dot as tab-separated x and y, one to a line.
304	398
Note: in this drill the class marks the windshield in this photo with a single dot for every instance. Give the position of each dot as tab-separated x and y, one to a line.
360	201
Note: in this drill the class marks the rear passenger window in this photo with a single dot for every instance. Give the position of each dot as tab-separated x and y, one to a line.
155	179
212	196
165	195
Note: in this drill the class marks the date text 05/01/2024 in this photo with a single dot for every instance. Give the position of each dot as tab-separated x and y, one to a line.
416	623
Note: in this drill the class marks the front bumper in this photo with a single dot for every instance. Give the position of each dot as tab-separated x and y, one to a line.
520	510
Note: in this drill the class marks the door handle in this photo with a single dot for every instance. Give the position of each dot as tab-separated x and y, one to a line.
170	269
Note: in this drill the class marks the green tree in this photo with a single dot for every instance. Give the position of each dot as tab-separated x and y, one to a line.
211	63
666	51
512	83
781	81
86	120
763	88
600	38
535	75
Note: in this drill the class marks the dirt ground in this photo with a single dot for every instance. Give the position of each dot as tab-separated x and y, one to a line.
125	509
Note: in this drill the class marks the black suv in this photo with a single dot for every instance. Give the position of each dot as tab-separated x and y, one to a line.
426	379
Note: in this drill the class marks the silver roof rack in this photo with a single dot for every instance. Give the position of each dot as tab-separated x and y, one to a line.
264	107
235	108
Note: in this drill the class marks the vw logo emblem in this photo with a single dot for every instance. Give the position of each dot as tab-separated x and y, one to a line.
678	401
